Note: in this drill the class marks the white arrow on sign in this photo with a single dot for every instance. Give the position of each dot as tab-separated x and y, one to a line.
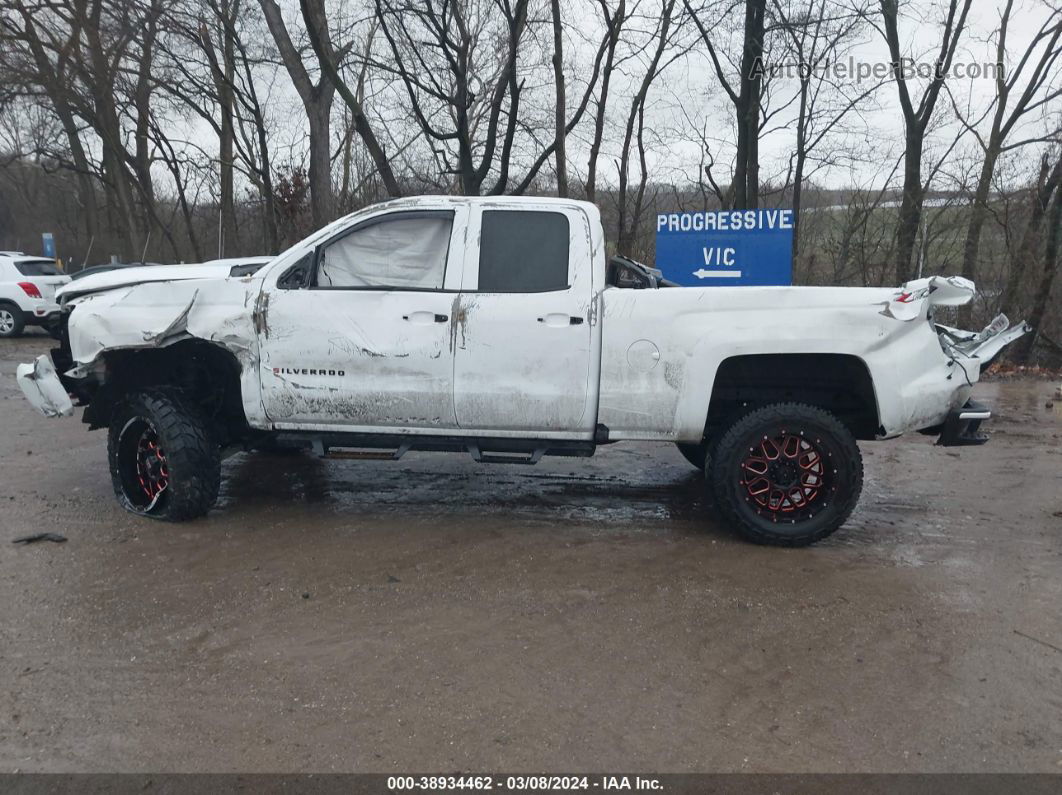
701	273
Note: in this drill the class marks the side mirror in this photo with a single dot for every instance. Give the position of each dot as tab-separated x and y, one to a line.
296	277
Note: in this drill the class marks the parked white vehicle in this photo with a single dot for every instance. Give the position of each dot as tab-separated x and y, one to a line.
497	326
27	292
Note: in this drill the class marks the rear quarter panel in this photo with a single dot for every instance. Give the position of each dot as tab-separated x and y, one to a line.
695	329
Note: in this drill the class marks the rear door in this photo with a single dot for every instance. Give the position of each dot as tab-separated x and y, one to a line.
522	358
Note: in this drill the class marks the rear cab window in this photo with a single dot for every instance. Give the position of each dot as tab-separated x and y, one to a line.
37	267
523	251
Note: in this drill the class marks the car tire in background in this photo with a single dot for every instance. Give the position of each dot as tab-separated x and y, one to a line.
163	459
787	474
12	321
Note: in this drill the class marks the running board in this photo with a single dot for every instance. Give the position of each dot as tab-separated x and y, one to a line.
391	447
321	451
531	458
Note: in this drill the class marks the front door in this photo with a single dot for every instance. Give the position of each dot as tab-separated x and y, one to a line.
522	355
360	338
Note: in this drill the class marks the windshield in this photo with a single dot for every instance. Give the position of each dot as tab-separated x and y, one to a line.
37	267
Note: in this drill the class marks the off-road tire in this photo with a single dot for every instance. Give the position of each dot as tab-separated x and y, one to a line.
192	456
842	472
15	321
696	454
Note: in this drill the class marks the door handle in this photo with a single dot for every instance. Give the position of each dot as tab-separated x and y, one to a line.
557	320
424	318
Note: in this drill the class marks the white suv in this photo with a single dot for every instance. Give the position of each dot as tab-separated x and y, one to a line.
27	292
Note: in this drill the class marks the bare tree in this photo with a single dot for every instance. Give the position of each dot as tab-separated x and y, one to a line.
818	33
1037	68
1049	180
317	98
316	21
630	216
1048	272
744	92
614	21
917	118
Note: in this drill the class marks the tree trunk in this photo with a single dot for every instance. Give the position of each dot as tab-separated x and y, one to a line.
316	19
320	172
561	110
317	104
910	208
615	25
978	216
1050	179
1047	279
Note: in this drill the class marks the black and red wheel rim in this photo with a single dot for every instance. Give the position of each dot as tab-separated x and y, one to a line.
786	475
152	470
142	464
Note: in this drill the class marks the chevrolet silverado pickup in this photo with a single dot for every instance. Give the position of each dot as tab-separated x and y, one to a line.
500	327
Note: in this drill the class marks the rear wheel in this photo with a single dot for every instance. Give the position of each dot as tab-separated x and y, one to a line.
164	462
12	321
787	474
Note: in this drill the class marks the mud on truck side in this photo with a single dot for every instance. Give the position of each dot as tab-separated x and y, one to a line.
498	327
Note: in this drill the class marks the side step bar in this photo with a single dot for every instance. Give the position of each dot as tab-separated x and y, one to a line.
391	447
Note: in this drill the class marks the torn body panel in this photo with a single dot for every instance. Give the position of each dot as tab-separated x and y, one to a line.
43	389
159	314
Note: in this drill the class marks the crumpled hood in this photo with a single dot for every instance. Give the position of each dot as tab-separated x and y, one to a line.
128	277
158	313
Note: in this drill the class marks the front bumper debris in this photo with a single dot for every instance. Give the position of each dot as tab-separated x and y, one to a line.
962	428
41	386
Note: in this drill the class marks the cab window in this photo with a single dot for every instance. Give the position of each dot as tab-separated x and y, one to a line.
523	252
401	251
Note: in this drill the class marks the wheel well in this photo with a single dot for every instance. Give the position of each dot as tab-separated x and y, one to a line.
838	383
207	375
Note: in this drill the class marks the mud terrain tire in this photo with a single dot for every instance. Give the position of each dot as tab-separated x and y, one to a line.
164	462
787	474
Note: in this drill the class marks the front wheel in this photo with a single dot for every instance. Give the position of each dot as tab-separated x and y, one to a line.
787	474
164	461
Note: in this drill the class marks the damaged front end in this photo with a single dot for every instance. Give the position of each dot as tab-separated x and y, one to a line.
196	334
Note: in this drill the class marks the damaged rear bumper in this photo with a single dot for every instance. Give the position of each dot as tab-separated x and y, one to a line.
962	428
41	386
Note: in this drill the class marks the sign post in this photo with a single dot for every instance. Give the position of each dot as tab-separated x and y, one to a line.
48	244
726	248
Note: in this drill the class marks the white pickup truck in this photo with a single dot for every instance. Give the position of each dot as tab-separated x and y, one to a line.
499	326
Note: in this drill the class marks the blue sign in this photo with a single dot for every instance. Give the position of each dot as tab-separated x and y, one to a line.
726	248
48	244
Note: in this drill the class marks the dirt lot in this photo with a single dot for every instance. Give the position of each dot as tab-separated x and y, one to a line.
438	615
